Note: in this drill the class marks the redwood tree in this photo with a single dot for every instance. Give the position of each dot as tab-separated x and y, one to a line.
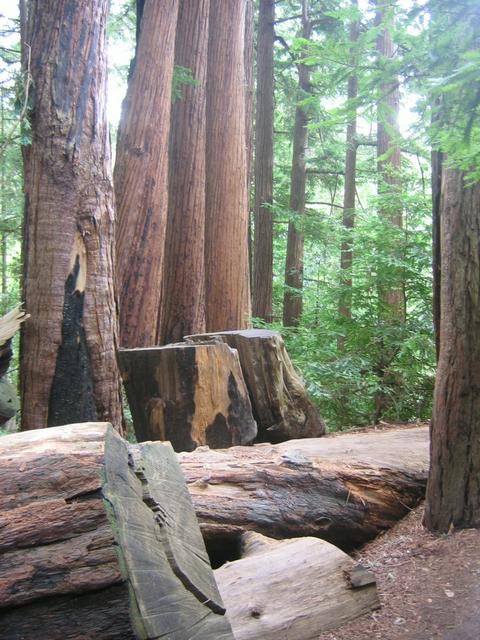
141	173
293	299
226	225
454	483
68	365
183	299
263	231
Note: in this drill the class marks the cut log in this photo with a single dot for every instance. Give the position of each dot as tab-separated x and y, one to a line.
98	540
345	489
279	399
291	589
188	394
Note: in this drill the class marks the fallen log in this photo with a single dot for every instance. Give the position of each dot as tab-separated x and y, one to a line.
345	489
188	394
292	589
98	540
279	399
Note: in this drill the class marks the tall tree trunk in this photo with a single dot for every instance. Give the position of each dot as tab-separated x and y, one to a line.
248	56
263	231
437	161
141	173
183	297
293	296
226	225
68	364
454	481
349	193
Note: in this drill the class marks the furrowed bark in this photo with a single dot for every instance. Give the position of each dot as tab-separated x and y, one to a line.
141	173
226	226
183	298
68	364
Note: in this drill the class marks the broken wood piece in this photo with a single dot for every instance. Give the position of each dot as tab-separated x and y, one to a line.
279	399
345	488
290	589
188	394
98	540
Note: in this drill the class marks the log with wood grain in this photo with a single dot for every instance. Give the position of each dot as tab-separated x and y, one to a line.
345	488
279	399
98	540
188	394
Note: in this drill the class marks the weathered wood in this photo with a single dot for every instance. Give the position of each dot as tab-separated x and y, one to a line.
98	540
280	403
291	589
188	394
345	489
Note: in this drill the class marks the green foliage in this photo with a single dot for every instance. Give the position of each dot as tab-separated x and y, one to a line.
182	77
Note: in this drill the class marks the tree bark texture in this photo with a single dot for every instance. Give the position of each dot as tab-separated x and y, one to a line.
454	481
249	58
292	589
68	363
263	216
279	399
293	296
141	176
226	229
349	192
183	297
345	489
98	540
188	394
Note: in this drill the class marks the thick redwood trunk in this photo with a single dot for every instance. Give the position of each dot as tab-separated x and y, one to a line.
183	296
293	296
141	173
349	193
226	229
68	365
249	58
454	481
263	231
98	540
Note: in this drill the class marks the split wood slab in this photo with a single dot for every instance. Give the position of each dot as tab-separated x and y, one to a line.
292	589
345	489
98	540
279	399
188	394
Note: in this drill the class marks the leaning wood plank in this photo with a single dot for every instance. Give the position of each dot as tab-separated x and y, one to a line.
280	402
188	394
98	540
345	489
291	589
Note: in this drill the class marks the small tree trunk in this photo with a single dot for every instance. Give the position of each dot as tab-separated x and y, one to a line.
68	364
437	161
263	232
349	193
183	297
141	173
293	296
453	484
226	227
188	394
98	539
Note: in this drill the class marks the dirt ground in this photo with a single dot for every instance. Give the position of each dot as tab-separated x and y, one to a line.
429	586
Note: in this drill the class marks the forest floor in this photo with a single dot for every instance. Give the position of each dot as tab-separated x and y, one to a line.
429	585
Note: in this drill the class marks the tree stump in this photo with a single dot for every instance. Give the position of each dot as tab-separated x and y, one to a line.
189	394
345	489
280	403
293	589
98	540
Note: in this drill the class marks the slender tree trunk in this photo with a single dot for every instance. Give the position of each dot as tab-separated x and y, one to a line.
263	231
141	173
349	193
68	364
183	297
226	226
454	481
293	296
437	161
3	209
